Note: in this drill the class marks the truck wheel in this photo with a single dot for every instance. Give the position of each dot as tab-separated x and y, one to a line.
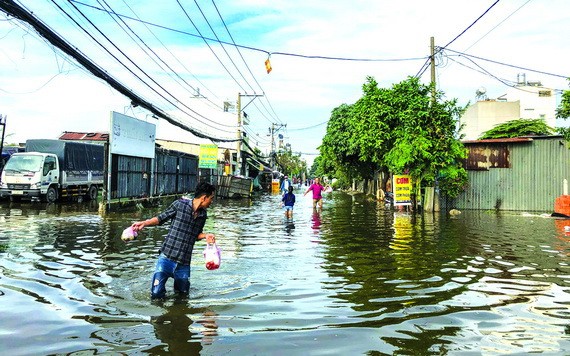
93	192
51	195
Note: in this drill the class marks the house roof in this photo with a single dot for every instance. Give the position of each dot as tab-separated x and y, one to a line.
499	140
513	139
84	136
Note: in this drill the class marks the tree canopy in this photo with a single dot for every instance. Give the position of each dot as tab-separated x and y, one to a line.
402	129
291	163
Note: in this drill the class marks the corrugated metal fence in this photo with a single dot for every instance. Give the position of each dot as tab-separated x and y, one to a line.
531	181
174	173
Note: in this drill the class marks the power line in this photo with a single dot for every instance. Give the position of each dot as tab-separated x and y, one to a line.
142	71
177	59
221	45
21	13
207	44
244	61
509	65
468	27
158	57
426	63
254	48
309	127
497	25
483	71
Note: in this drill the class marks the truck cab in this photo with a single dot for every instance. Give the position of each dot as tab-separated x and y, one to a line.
31	176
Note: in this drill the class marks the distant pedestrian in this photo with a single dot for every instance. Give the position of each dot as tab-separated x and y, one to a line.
285	184
317	189
288	202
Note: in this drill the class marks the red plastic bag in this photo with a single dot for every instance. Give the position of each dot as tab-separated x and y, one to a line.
213	256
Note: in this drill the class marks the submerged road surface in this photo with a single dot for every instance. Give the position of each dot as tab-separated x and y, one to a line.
352	279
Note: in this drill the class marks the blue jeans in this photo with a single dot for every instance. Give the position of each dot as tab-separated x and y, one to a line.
166	268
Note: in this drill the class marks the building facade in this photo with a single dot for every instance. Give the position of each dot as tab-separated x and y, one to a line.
526	100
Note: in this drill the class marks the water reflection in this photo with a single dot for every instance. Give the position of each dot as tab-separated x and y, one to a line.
183	330
316	220
289	226
398	283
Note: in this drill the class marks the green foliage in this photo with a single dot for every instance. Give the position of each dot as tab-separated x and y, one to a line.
563	110
452	180
290	163
518	128
398	130
564	131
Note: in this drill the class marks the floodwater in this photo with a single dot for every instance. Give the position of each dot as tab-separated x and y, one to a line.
352	279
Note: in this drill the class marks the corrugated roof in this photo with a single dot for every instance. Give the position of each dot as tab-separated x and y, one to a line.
514	139
84	136
499	140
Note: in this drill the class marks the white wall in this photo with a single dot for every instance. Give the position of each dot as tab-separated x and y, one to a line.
520	102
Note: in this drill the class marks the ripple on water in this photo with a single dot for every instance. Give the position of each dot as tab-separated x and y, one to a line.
479	283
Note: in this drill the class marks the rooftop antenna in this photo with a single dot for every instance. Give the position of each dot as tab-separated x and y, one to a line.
480	93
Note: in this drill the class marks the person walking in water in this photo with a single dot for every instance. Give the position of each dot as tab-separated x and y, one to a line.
288	202
285	184
188	219
317	189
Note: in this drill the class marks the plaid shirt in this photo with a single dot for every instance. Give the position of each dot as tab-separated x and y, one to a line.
184	230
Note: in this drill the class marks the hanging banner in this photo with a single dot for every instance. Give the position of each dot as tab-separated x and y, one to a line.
402	190
208	156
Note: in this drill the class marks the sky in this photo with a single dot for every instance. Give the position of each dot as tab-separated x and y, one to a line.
321	52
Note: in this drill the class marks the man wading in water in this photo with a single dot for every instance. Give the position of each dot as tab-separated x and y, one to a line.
188	219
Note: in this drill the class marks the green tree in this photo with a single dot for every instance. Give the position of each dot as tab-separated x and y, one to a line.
402	129
425	137
563	112
290	163
340	154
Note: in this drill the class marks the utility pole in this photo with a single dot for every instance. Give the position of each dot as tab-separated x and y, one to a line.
239	124
432	59
238	149
273	131
3	124
433	203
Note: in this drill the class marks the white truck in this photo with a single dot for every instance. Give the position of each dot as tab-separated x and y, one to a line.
52	169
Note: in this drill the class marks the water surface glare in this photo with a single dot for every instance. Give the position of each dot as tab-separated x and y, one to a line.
352	279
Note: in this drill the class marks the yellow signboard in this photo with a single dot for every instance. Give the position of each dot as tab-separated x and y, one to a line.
208	156
402	190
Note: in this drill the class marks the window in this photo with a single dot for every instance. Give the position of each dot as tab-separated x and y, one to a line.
49	165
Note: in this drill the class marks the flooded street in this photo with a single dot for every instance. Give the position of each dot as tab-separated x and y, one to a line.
352	279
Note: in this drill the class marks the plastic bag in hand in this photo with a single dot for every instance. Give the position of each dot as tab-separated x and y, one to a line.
129	234
213	256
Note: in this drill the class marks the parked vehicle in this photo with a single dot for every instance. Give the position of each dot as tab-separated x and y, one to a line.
7	151
52	169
